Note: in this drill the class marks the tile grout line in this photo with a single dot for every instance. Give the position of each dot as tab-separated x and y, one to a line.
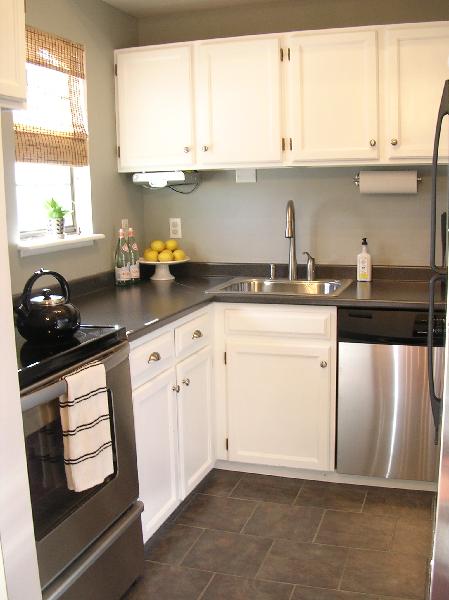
206	587
292	593
191	547
299	491
364	501
340	581
258	503
239	480
319	525
264	558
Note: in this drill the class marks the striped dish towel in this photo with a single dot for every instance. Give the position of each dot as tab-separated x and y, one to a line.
86	428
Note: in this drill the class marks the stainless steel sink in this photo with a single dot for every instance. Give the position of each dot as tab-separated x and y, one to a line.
284	287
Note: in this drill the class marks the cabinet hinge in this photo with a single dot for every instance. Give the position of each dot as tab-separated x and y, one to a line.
227	443
288	53
115	69
281	51
118	151
225	359
291	144
283	144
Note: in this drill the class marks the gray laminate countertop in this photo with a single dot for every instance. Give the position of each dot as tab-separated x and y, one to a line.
151	304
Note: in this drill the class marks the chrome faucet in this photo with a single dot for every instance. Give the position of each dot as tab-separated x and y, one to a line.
290	234
310	268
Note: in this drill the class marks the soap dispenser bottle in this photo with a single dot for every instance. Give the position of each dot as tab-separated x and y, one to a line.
364	266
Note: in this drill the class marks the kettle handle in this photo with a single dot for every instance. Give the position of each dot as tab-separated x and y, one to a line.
26	294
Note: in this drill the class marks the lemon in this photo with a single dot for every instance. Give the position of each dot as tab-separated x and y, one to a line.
150	255
165	256
157	245
179	254
171	244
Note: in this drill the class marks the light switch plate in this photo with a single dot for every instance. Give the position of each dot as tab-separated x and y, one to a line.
245	176
175	231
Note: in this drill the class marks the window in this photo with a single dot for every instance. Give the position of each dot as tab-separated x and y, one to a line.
51	137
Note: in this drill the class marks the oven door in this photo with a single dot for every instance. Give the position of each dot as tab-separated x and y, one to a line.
66	523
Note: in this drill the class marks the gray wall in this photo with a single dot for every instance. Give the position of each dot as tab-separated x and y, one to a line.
225	221
102	29
286	15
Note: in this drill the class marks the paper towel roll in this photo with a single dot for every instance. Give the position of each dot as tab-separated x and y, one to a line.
388	182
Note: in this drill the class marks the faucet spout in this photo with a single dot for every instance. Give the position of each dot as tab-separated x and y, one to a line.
291	235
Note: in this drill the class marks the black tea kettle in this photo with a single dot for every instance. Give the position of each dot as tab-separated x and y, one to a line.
47	316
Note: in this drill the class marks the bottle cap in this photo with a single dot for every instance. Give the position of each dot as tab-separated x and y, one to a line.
130	231
364	242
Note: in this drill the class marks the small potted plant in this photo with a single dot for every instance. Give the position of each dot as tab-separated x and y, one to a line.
56	216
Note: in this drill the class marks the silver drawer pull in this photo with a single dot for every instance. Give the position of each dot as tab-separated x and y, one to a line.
323	364
176	388
154	356
186	381
197	334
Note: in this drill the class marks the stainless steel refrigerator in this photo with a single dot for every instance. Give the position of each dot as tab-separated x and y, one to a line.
439	581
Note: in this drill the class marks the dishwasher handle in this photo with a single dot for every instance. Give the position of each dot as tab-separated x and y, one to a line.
435	401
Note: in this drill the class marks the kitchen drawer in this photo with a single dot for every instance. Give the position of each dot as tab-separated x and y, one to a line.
193	335
151	358
312	322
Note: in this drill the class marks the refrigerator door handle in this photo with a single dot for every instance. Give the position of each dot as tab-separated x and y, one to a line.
435	401
442	112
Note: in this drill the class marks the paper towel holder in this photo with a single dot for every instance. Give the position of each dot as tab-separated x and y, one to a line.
356	179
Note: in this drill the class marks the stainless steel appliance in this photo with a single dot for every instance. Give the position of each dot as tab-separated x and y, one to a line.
385	426
89	544
439	586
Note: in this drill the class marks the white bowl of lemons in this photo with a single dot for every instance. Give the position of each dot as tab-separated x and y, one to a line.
162	255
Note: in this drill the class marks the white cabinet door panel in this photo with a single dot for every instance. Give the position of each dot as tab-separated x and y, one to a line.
155	107
155	424
333	96
194	418
280	402
238	85
12	53
416	66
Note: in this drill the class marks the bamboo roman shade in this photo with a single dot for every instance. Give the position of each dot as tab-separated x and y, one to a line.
53	128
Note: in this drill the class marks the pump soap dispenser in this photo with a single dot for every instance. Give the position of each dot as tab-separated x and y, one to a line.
364	267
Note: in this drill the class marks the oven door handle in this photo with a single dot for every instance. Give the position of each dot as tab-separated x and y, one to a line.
55	388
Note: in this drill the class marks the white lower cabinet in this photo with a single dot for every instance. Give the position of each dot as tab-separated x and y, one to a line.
155	423
172	402
194	375
275	392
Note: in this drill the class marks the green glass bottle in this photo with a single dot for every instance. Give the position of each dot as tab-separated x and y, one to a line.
122	260
134	267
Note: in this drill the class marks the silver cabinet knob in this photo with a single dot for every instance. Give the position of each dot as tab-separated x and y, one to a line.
372	143
186	381
204	148
176	388
323	364
394	142
197	334
154	356
186	149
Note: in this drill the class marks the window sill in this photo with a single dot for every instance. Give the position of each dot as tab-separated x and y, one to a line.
45	245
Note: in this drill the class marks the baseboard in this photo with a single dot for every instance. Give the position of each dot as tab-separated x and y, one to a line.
332	476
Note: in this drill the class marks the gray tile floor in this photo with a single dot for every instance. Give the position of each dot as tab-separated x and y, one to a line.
256	537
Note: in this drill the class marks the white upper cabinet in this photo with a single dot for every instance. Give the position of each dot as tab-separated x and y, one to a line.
416	68
238	101
332	96
154	97
12	54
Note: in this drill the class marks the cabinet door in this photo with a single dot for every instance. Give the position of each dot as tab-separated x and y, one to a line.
156	442
332	97
12	53
194	419
238	98
416	69
280	403
154	107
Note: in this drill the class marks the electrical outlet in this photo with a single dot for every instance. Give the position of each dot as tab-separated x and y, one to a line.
175	228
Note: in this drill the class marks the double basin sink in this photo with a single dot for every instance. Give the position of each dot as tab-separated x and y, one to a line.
283	287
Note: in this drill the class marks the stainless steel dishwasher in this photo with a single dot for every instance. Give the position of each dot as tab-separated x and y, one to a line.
384	422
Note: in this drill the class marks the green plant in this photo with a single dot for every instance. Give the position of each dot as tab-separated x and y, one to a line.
55	210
